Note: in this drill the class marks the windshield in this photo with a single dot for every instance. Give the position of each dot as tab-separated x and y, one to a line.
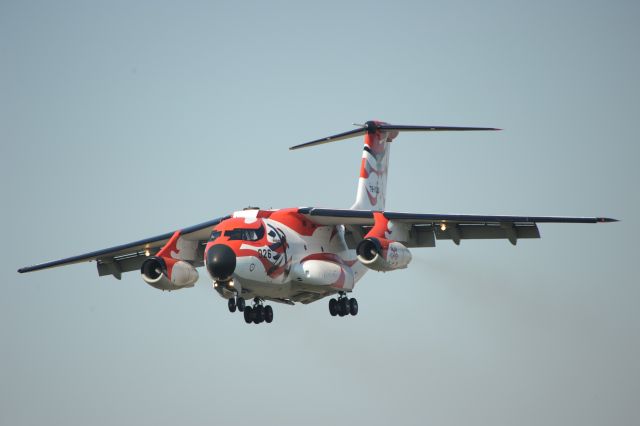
245	234
214	235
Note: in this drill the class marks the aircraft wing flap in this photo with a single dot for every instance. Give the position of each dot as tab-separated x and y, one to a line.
424	229
108	253
458	232
323	216
466	218
128	257
426	235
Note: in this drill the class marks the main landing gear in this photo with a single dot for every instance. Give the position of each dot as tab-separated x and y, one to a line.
258	312
343	305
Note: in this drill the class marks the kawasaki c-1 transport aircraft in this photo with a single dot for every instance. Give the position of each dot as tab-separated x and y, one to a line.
304	254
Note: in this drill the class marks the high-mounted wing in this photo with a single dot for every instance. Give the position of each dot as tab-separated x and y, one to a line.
422	230
128	257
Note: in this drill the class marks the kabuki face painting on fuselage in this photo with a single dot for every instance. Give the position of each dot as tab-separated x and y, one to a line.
254	238
269	247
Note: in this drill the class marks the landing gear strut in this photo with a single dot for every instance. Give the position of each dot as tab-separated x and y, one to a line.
343	305
258	313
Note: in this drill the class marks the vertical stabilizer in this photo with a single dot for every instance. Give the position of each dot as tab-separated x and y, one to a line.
372	182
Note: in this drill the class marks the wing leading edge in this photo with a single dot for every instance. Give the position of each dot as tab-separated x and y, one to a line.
422	230
128	257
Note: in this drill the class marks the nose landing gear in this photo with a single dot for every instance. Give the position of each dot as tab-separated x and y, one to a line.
257	313
343	305
236	303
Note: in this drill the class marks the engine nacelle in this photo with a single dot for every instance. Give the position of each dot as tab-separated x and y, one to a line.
381	254
168	274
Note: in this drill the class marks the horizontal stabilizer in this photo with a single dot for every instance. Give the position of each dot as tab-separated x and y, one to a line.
374	126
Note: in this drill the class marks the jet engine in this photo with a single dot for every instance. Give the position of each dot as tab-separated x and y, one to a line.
168	274
381	254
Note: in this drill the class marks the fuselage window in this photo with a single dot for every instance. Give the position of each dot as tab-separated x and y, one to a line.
245	234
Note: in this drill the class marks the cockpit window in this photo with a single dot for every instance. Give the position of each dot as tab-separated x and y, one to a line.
214	235
245	234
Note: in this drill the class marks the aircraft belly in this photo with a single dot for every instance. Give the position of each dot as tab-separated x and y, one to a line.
263	289
289	292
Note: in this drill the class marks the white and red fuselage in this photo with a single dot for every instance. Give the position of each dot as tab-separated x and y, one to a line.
289	255
278	254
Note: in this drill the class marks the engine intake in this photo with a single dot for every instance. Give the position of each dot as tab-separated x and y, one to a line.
168	274
381	254
368	249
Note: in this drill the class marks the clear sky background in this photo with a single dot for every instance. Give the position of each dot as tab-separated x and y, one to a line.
122	120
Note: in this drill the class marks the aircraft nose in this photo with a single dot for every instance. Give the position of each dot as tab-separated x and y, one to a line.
221	262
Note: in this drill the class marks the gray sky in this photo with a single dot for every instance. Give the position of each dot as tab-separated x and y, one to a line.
121	121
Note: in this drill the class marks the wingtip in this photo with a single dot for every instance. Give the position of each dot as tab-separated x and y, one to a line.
607	219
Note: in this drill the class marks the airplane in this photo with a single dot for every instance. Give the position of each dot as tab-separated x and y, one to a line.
304	254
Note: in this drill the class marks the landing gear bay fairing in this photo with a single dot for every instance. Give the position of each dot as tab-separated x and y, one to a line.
304	254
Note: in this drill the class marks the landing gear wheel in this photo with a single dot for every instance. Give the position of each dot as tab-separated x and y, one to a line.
343	305
333	307
268	314
353	306
232	304
258	314
248	315
241	304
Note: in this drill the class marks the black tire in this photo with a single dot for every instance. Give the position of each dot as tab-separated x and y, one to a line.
333	307
232	304
241	304
268	314
344	307
353	306
248	315
258	314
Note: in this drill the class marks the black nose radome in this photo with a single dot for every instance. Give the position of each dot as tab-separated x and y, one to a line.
221	262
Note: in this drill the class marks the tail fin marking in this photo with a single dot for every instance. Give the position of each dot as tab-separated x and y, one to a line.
372	182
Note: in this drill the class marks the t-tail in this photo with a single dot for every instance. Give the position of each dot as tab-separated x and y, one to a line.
372	181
